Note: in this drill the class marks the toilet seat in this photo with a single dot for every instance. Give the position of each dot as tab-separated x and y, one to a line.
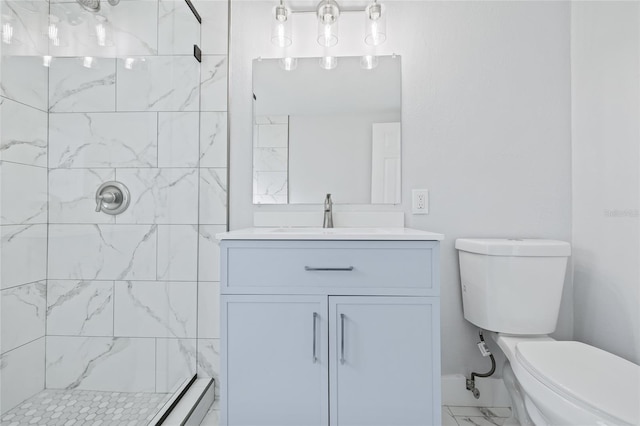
586	376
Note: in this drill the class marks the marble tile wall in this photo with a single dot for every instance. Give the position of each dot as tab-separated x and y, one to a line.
271	160
23	200
132	300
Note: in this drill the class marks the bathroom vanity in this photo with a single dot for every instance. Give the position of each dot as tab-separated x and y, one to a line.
335	326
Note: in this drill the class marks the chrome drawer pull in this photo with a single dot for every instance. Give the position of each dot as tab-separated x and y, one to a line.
315	319
342	318
310	268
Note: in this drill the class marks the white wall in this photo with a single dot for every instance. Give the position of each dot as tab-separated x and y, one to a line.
606	180
486	127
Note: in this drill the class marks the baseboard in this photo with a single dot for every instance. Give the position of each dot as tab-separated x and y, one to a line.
493	393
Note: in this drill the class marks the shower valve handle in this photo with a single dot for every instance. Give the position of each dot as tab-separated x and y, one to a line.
112	198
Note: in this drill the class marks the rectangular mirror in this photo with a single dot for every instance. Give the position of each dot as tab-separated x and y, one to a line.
319	131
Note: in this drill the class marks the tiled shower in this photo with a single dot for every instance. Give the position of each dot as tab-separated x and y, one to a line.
123	304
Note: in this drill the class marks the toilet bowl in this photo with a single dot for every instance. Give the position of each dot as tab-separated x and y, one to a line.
513	288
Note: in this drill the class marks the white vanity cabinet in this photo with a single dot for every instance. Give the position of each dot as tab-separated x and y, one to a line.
330	332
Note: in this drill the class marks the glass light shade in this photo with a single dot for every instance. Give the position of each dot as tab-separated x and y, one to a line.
327	34
328	62
368	62
375	24
281	26
289	64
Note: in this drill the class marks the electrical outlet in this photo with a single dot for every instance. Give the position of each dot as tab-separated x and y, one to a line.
420	201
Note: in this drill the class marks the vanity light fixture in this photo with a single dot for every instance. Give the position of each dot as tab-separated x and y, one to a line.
281	26
328	13
375	24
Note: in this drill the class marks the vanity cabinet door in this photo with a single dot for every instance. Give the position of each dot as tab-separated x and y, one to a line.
385	361
275	360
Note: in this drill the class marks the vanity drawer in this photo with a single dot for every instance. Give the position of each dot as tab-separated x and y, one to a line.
306	266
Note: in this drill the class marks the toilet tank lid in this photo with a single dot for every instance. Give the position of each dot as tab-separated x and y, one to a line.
514	247
587	376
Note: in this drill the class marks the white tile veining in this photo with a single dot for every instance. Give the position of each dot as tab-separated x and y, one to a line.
80	308
19	143
111	252
104	363
23	254
76	88
26	306
155	309
165	83
117	139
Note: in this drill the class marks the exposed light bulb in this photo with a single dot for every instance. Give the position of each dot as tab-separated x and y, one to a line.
281	27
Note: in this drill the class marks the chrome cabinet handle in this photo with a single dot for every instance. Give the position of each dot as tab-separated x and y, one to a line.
315	338
342	318
312	268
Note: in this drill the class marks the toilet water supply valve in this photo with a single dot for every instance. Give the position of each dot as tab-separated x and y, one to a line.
484	350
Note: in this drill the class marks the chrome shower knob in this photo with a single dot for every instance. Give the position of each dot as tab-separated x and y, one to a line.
112	198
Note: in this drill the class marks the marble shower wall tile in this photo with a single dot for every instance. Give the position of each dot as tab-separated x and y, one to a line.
128	29
19	143
72	195
213	196
270	187
103	140
176	362
213	139
27	21
80	308
102	252
164	196
164	83
209	361
273	136
178	142
21	374
270	159
24	194
214	26
178	252
23	314
155	309
214	83
100	363
209	252
178	28
208	310
76	88
24	254
25	80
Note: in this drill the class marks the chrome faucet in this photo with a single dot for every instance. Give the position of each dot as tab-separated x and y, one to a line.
328	212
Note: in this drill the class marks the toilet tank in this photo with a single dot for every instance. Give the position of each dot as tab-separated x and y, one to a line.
512	286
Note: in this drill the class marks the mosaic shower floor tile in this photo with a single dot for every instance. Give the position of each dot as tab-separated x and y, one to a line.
81	407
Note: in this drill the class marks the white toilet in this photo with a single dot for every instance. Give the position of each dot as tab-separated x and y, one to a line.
513	288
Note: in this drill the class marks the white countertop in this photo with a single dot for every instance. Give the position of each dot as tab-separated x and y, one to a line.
402	234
